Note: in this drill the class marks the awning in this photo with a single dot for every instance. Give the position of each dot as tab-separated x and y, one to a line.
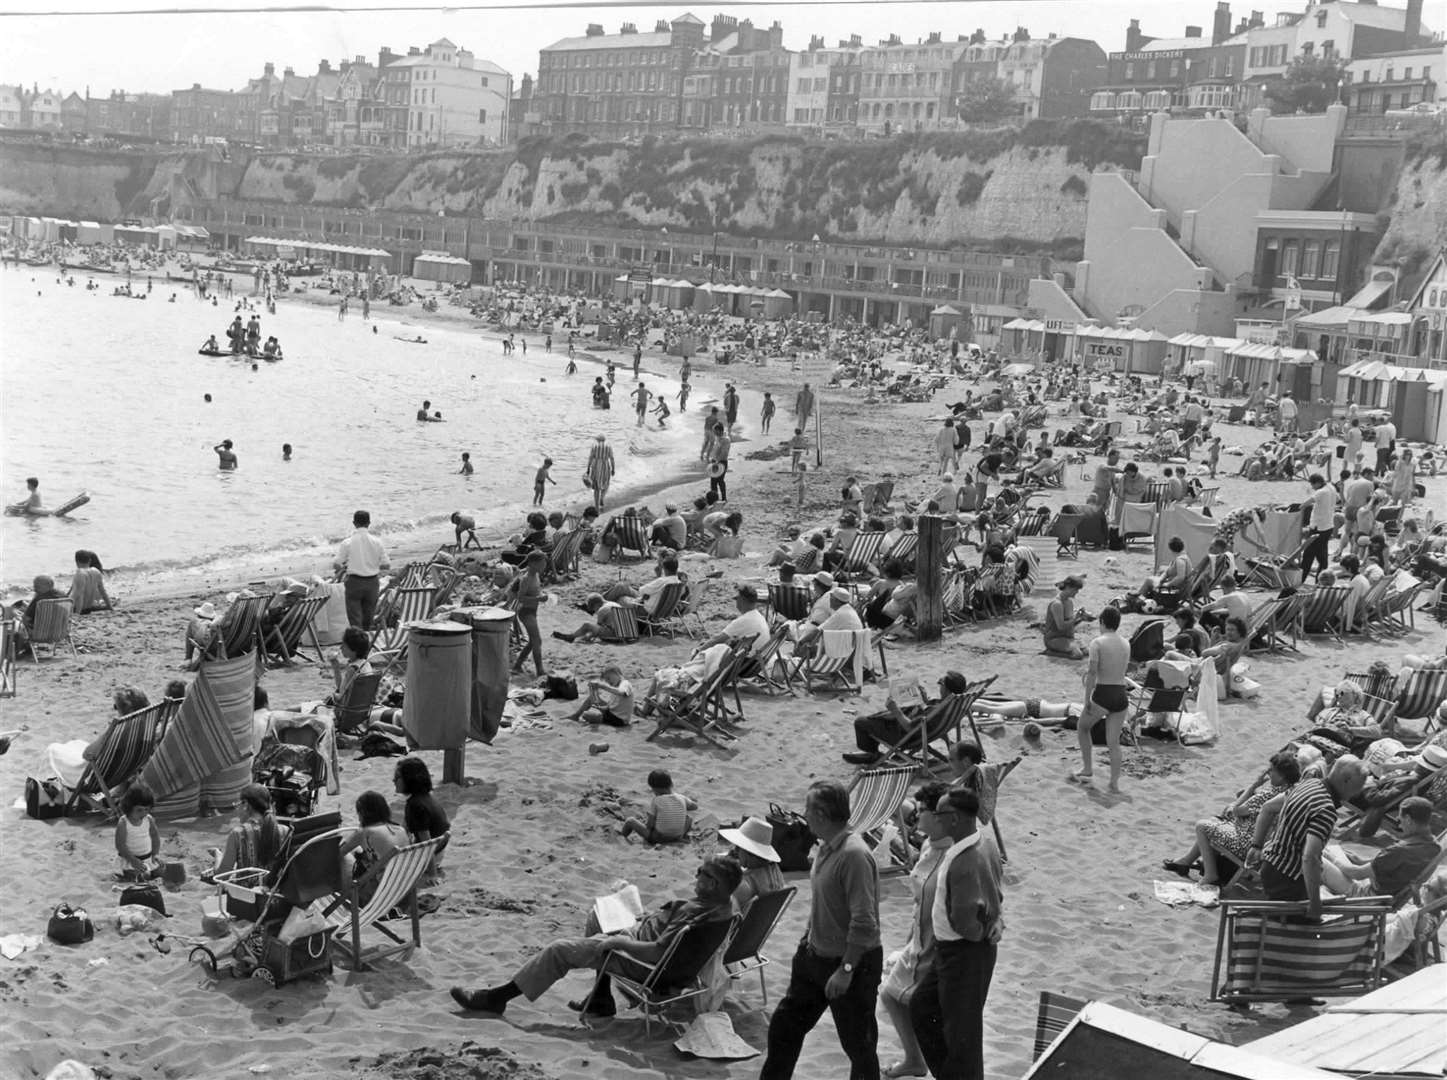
1033	326
946	309
1371	294
1262	351
310	245
1328	318
441	258
1203	341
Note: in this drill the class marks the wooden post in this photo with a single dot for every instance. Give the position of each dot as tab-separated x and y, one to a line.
929	564
452	766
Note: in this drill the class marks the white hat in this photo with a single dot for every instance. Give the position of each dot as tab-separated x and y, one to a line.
207	610
824	579
755	836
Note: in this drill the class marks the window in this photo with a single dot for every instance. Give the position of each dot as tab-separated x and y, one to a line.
1310	253
1211	68
484	81
1290	255
482	116
1321	19
1130	71
1366	76
1230	65
1426	74
1391	75
1408	75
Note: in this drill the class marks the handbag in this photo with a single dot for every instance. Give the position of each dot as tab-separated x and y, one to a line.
144	896
792	838
44	799
69	926
302	922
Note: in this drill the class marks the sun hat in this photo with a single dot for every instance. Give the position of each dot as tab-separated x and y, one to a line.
716	468
754	835
842	596
824	579
206	610
1071	581
1432	756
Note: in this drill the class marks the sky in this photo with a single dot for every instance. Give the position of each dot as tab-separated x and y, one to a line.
79	43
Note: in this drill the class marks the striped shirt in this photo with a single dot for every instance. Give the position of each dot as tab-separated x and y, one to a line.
1309	810
670	814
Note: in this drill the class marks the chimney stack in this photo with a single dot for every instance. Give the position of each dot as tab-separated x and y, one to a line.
1134	39
1221	23
628	28
1258	21
269	68
595	30
288	72
1193	31
1021	34
1412	28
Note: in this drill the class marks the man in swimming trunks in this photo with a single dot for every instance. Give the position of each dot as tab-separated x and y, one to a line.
1106	695
225	456
641	397
424	417
31	505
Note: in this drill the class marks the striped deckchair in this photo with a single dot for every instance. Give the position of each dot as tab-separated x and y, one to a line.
409	605
701	710
745	952
666	617
863	552
1158	492
766	671
1421	694
1262	623
1368	611
792	601
834	663
904	550
1053	1017
1266	951
563	558
1383	710
625	622
283	641
7	657
936	723
1208	497
396	878
124	748
1399	610
356	711
1321	611
51	626
204	752
876	797
1382	685
632	535
239	630
678	976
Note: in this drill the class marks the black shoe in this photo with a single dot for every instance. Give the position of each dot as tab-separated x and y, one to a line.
604	1006
478	1000
861	757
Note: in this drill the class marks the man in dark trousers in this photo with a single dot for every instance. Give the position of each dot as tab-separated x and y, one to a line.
960	919
839	960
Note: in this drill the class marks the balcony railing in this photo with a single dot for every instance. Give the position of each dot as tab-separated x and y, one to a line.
1403	360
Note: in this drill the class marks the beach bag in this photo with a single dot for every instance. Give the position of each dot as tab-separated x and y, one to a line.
302	922
69	926
144	896
563	687
792	838
44	799
1241	686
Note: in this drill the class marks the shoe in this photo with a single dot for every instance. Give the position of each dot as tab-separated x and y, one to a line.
588	1007
1180	869
861	757
478	1000
562	636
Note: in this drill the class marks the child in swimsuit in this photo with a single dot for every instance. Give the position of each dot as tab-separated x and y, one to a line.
138	841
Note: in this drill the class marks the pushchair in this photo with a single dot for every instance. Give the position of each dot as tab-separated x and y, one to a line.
293	773
259	903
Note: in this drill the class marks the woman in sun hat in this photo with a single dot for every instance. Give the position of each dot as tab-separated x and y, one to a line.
752	843
200	630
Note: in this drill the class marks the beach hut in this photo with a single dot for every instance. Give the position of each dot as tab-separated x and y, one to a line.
1368	383
166	237
1197	354
1417	405
440	266
704	297
777	303
945	322
50	230
192	236
87	232
1131	350
107	233
1021	336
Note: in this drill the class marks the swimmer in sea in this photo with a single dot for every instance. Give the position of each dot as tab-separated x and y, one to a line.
424	417
1106	695
286	451
226	458
466	469
461	524
662	411
31	506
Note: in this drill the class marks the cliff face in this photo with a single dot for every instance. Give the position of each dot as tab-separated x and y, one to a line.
1418	226
72	181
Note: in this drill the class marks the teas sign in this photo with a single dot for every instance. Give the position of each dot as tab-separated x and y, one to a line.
1106	349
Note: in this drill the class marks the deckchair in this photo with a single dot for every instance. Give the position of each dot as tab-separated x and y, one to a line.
1066	532
356	711
1398	610
1422	692
283	642
936	723
1148	641
745	952
836	666
699	711
396	879
957	596
239	630
563	558
125	747
1157	492
1369	610
1382	685
1266	951
408	605
7	658
51	627
667	614
790	601
876	796
1321	611
904	550
1053	1017
632	535
767	672
675	977
1152	697
877	502
863	552
1383	710
1209	580
805	563
625	620
1208	497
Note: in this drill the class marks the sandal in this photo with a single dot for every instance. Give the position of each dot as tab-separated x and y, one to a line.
1180	869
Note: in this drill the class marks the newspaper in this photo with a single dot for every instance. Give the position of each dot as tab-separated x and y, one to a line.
618	911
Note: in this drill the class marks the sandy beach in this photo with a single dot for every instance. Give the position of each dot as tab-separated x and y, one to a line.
535	825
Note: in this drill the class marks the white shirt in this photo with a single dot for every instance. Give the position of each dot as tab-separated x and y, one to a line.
748	624
1385	433
939	912
362	555
843	617
1323	509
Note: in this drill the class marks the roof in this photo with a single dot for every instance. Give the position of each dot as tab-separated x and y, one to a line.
312	245
1203	341
1263	351
612	41
689	18
1181	43
1332	316
1395	1031
1386	18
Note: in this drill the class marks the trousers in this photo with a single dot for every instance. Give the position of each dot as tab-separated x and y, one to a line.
947	1010
719	484
804	1003
361	599
1316	552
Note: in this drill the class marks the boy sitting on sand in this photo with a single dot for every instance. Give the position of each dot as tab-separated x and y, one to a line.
609	701
668	819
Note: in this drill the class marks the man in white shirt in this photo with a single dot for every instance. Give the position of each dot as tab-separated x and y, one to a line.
361	558
842	616
749	623
649	591
1320	525
945	446
670	530
1385	435
1287	410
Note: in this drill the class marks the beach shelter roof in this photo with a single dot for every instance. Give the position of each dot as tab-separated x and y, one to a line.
705	287
1369	369
778	294
1384	318
946	309
441	258
1034	326
1262	351
1203	341
1332	316
1392	1032
309	245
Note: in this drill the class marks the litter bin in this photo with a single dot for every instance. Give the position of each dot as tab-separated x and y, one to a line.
439	673
491	627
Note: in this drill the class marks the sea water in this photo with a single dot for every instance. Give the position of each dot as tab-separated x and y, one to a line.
108	395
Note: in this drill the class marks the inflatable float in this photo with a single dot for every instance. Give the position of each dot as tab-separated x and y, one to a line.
213	352
73	503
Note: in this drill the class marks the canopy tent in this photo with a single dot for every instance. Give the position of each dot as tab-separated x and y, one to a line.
343	256
192	236
440	266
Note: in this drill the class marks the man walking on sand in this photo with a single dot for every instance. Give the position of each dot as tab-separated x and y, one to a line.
945	447
1105	696
839	960
803	406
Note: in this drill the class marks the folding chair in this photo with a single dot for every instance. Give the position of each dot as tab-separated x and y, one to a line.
239	630
832	669
767	672
1321	611
625	619
863	552
632	535
1065	530
876	796
396	879
1153	697
1382	685
745	952
675	977
1422	692
934	724
7	658
1369	611
1148	641
125	748
1267	951
1399	612
878	501
667	614
51	627
283	641
700	710
1053	1017
407	605
790	602
563	558
1208	497
356	711
904	550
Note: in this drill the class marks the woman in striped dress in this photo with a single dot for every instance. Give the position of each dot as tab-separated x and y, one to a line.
600	469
